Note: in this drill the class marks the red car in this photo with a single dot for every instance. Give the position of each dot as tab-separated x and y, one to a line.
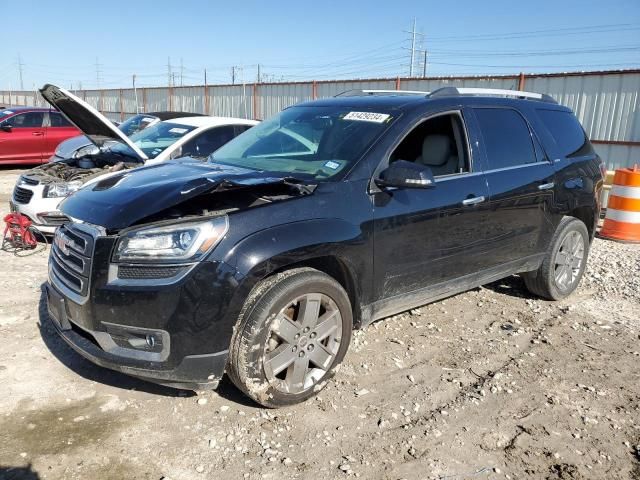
31	135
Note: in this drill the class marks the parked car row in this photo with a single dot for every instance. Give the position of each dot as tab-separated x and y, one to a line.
145	139
259	261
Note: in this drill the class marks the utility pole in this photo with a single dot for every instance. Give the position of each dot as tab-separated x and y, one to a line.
181	72
413	46
169	72
424	66
258	77
20	65
233	75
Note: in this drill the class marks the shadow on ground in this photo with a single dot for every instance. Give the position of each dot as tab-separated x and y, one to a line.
18	473
512	286
83	367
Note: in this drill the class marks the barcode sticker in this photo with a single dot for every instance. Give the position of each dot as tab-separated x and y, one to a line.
367	116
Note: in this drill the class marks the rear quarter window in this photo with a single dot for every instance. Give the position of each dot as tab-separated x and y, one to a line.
568	134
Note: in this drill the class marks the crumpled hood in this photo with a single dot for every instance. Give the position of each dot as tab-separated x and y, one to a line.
124	199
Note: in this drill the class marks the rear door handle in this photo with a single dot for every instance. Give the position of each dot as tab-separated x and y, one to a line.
37	134
546	186
473	200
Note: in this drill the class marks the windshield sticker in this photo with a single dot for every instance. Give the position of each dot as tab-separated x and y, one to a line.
147	119
7	112
367	117
178	130
332	165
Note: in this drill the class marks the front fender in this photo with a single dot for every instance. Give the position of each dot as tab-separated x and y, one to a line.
271	249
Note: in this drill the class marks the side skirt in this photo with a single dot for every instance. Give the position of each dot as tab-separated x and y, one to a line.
403	302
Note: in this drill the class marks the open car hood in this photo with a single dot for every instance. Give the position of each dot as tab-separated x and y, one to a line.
91	122
125	199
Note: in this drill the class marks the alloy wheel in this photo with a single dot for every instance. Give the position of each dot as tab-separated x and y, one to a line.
302	343
568	261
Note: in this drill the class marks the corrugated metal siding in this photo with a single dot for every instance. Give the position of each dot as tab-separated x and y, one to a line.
618	156
607	103
275	97
231	101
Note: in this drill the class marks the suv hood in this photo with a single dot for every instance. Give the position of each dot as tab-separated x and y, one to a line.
128	198
92	123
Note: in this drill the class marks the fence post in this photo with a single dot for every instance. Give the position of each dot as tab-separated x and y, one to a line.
397	83
170	103
255	101
144	100
314	90
206	99
121	105
101	108
521	81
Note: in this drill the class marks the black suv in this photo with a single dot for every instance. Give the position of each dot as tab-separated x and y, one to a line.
330	215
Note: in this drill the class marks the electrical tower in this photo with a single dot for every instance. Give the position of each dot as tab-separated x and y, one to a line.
98	73
414	49
20	65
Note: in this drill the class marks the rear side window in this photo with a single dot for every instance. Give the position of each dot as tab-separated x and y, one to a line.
57	120
567	132
507	139
26	120
208	142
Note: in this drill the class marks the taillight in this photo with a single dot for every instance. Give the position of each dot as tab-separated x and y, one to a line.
603	169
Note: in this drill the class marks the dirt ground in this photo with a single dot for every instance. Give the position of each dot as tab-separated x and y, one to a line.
489	384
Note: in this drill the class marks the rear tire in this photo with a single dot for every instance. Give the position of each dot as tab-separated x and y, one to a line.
292	333
563	264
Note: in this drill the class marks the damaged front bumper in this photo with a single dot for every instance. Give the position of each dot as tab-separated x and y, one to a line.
176	335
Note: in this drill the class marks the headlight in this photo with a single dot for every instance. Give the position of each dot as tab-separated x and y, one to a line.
57	190
184	242
86	150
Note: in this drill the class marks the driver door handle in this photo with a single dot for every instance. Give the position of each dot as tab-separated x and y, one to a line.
37	134
546	186
473	200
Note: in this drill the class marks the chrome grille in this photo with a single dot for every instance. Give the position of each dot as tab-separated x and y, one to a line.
71	256
22	195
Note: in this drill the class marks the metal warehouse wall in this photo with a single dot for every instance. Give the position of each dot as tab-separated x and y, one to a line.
605	102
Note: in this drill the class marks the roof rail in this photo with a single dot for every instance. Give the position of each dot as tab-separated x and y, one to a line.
499	92
360	92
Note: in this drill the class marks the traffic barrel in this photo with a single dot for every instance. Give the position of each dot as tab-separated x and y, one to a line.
622	220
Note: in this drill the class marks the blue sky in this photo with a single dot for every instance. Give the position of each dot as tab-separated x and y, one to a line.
61	41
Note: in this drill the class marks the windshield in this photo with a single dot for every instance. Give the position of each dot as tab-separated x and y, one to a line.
312	141
155	139
136	123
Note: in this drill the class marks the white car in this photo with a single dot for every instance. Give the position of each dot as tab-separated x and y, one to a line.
39	191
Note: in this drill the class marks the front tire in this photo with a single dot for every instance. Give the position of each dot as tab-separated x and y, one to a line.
292	333
563	264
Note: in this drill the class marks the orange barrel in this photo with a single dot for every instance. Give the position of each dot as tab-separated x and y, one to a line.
622	220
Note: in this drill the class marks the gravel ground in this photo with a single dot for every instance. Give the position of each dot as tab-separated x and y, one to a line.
492	383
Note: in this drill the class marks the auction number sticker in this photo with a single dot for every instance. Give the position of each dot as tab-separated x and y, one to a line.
367	117
177	130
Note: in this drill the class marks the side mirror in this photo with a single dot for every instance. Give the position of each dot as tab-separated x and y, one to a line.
6	127
404	174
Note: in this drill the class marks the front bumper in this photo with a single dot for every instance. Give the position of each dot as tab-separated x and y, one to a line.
39	205
191	320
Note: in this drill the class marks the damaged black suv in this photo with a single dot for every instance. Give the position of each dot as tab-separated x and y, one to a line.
334	213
